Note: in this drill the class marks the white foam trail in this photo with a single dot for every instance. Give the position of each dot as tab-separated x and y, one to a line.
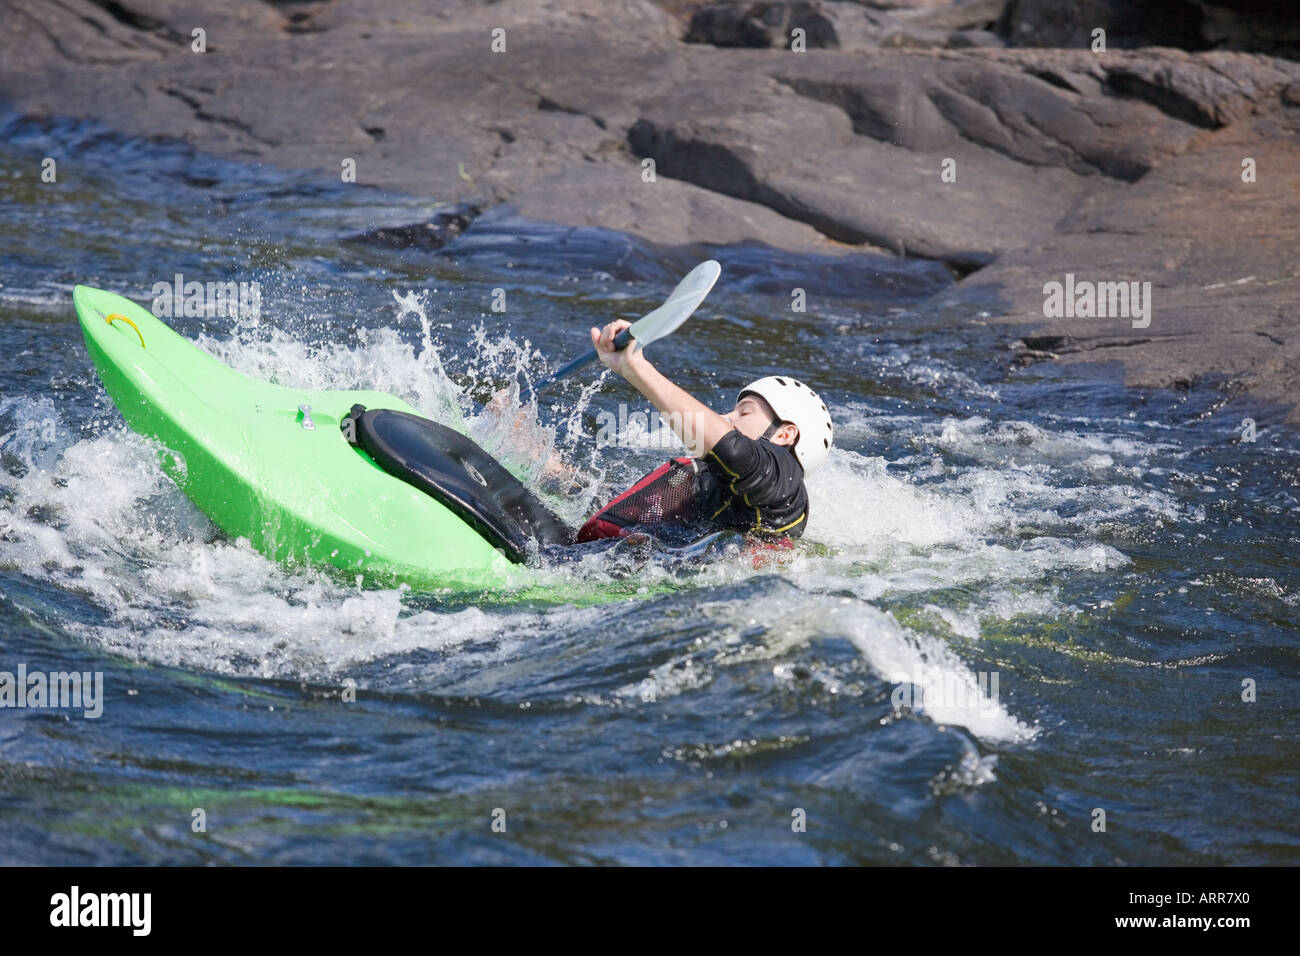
897	654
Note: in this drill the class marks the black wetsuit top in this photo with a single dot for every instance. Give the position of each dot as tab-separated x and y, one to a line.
753	486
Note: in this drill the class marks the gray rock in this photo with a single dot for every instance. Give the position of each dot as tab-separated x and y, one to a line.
832	24
1127	25
967	15
1122	165
1256	26
1221	256
966	39
826	24
440	230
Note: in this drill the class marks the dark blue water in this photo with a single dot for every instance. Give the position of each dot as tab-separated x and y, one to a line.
1118	560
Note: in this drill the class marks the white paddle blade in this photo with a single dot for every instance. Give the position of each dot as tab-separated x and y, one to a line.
690	292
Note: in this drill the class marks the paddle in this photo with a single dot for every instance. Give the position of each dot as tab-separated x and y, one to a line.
665	320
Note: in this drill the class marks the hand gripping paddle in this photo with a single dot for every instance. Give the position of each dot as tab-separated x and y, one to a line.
665	320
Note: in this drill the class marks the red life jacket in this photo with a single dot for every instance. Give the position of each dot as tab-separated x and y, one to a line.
669	493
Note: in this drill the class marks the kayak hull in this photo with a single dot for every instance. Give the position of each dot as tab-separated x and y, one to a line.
263	470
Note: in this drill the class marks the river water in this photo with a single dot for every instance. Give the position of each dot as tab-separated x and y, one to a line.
1084	598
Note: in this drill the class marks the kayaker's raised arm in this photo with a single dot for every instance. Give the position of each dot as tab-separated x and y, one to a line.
747	467
697	425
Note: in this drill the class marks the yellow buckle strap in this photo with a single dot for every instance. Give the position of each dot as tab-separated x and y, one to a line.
118	315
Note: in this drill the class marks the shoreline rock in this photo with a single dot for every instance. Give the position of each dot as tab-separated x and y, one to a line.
1012	167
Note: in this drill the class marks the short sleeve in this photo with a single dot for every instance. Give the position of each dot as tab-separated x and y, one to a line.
752	468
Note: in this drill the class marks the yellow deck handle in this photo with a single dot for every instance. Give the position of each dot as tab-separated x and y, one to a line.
118	315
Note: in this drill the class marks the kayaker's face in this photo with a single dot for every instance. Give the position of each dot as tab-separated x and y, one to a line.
752	416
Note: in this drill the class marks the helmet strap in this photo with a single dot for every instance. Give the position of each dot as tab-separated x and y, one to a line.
772	429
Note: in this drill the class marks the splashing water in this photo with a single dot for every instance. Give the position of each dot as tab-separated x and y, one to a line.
975	643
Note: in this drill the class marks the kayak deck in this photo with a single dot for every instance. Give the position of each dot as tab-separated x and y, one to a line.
268	463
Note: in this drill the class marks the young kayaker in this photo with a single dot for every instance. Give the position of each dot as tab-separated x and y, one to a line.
747	467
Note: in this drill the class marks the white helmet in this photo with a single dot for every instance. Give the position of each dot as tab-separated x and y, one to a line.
793	401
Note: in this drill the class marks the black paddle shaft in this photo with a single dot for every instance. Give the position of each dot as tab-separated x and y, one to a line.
620	342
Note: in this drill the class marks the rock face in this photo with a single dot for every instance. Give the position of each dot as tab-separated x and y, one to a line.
1011	167
441	230
1220	254
832	24
1257	26
1261	26
1126	25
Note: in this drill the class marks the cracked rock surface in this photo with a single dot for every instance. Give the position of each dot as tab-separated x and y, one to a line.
1123	165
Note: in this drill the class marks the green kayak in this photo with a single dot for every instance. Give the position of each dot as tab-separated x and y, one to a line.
272	464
